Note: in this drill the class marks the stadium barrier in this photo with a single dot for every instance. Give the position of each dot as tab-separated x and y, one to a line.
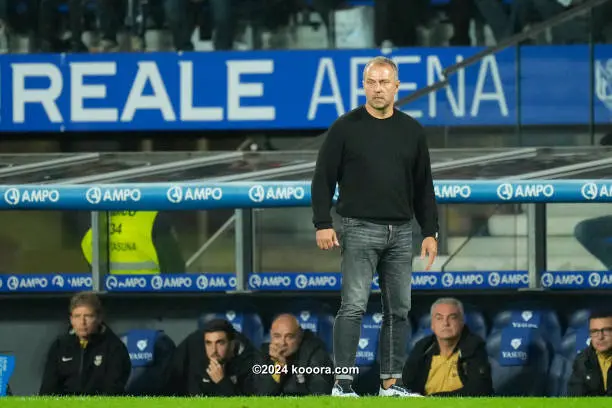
247	195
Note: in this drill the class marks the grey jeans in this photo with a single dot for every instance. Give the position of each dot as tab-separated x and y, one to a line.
368	248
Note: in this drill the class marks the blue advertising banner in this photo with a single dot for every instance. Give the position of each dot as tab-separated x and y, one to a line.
199	196
295	282
303	89
420	281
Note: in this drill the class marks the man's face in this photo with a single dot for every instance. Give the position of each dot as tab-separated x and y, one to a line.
601	334
380	85
217	346
84	321
446	322
285	337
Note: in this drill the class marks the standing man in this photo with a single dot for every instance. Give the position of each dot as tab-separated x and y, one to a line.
379	157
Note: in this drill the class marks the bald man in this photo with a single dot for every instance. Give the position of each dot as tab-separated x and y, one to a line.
293	350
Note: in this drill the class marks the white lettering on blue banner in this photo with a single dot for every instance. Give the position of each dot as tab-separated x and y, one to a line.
178	194
508	191
259	193
97	195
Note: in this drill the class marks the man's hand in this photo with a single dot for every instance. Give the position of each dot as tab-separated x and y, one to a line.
277	354
327	239
429	246
215	371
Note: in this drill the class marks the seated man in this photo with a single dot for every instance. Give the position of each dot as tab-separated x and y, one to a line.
591	371
216	361
450	362
90	359
290	346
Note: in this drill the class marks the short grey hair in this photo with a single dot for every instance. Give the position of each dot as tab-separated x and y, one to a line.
380	60
448	301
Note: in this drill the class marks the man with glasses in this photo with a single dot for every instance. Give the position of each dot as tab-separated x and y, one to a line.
90	359
591	374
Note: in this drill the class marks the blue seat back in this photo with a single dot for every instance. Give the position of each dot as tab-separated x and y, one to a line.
545	322
150	354
420	333
578	320
519	362
574	342
320	323
367	349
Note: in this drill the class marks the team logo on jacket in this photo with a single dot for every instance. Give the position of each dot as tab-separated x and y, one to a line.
98	361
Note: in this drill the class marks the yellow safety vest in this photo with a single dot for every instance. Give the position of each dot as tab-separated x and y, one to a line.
130	243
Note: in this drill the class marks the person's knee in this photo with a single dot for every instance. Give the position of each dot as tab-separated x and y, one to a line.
352	310
399	313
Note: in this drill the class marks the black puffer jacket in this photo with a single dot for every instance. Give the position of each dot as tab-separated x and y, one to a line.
311	353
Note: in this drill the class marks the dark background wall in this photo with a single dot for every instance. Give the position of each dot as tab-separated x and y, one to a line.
28	324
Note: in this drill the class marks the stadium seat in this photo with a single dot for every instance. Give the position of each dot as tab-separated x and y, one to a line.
150	353
473	319
420	333
546	322
558	376
579	319
574	342
248	324
519	362
561	367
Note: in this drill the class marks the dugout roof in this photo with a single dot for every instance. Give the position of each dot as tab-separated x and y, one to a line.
151	167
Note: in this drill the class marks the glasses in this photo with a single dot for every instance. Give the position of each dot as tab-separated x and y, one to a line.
606	332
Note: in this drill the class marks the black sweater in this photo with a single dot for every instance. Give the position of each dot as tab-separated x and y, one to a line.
382	168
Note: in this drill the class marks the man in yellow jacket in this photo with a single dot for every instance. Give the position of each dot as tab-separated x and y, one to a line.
139	243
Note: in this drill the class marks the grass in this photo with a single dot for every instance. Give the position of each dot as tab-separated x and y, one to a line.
301	402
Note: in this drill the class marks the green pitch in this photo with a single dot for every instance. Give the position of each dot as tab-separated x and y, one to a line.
303	402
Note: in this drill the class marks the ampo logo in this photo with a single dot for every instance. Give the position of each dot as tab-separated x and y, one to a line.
12	282
505	191
202	282
547	280
175	194
301	281
157	282
589	191
112	282
494	279
594	279
58	281
94	195
255	281
257	193
12	196
447	280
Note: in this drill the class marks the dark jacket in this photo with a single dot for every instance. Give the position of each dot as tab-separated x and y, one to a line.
311	353
586	379
102	368
473	366
188	375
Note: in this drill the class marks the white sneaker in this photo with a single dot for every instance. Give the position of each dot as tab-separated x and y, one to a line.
337	391
396	391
